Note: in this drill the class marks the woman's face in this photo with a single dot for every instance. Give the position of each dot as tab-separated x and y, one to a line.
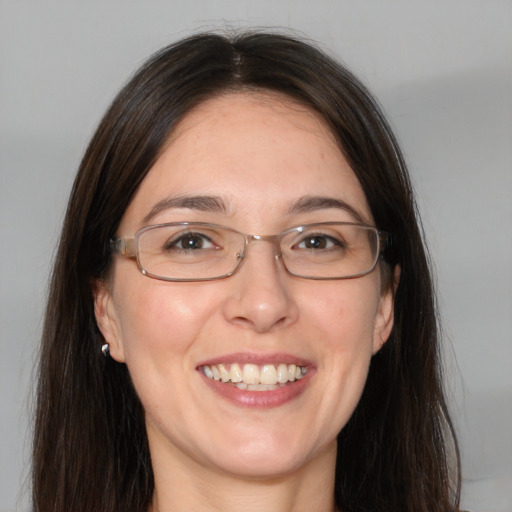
261	156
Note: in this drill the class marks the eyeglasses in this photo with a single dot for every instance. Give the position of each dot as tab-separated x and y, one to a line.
196	251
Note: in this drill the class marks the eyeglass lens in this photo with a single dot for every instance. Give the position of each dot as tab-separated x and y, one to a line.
203	251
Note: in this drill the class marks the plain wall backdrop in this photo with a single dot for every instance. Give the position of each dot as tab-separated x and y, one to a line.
443	73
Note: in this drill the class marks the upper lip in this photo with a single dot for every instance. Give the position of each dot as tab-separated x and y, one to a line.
256	358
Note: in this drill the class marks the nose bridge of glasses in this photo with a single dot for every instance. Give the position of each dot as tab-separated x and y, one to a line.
274	240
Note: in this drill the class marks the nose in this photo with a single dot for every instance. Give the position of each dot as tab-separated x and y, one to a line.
261	295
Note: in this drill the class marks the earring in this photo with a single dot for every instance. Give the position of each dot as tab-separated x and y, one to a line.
105	349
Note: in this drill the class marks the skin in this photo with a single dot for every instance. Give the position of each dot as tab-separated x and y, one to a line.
259	153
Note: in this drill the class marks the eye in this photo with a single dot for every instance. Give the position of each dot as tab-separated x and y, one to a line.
318	242
190	242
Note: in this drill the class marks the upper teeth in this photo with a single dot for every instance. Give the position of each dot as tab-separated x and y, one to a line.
251	374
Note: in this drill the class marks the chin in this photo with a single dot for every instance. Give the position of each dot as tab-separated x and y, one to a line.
269	456
262	466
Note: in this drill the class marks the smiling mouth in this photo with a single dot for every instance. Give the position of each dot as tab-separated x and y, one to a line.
253	377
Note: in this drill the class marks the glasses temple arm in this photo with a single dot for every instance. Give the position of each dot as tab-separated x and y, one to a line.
125	246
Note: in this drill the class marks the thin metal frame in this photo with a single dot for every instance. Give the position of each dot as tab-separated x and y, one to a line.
129	247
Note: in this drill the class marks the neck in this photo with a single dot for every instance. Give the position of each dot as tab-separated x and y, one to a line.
181	488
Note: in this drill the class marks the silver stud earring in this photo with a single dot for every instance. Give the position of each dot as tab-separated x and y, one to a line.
105	349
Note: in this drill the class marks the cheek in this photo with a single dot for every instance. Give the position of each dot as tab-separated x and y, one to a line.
339	326
344	312
343	321
158	318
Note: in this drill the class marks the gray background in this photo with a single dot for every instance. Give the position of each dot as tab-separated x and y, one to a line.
443	72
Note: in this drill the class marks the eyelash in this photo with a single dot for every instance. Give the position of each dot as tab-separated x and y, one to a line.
175	241
327	238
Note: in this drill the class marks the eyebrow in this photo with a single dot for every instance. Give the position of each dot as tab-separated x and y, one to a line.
308	204
215	204
200	203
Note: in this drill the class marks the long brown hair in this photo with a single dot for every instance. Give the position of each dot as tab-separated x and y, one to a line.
90	448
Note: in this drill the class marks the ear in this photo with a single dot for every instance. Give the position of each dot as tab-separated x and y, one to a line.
107	320
385	313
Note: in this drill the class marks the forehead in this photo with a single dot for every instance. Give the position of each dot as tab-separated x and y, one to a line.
258	108
257	152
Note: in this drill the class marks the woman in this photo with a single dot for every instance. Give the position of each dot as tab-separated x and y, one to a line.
241	313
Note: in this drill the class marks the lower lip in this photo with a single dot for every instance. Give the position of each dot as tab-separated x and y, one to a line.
259	399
